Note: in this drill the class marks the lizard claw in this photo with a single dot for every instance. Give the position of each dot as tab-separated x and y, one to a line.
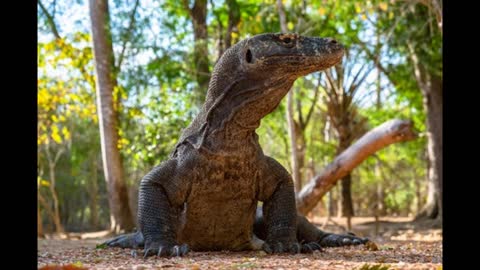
338	240
166	250
310	247
281	247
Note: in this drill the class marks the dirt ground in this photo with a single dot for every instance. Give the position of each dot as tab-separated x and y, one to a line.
401	244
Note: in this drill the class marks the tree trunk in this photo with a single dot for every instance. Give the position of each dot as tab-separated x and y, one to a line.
301	146
56	210
39	223
93	196
293	146
433	100
347	204
380	193
380	196
233	20
390	132
52	161
431	87
346	209
198	15
120	214
47	208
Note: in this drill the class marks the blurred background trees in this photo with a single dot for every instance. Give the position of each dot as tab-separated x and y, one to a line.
162	56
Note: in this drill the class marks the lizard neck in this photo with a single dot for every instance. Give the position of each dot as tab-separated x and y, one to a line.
228	122
233	119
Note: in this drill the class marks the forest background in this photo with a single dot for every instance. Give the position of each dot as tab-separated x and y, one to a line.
160	55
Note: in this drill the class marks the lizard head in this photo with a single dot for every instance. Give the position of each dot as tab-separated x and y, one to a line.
252	77
288	55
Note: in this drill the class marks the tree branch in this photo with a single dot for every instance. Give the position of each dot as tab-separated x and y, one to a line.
45	205
299	112
50	20
314	101
233	20
220	31
127	36
187	7
390	132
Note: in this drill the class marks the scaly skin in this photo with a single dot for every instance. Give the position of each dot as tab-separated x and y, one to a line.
205	196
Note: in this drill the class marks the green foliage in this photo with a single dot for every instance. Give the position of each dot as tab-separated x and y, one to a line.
101	246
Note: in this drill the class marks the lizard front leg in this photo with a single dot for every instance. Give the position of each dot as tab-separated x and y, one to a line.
307	232
160	198
277	193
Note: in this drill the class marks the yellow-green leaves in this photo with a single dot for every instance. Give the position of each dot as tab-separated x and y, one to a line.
66	87
383	6
322	11
55	135
42	182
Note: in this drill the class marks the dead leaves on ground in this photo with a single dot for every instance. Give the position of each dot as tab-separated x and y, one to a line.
394	254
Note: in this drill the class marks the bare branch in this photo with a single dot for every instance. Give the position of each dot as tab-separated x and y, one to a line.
50	20
127	36
333	88
314	101
388	133
353	82
300	115
45	206
356	85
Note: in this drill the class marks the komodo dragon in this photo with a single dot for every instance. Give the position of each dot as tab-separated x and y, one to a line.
205	196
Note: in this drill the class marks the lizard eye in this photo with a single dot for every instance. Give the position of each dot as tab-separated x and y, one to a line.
288	42
248	56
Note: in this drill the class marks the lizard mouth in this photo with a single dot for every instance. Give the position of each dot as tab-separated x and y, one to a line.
314	62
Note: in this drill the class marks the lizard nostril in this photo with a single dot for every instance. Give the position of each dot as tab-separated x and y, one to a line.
248	56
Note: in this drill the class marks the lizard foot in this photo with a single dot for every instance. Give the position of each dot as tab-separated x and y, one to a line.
276	247
166	250
310	247
131	240
340	240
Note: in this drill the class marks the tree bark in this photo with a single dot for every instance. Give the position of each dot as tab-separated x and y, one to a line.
120	214
93	196
433	99
431	87
390	132
345	138
434	108
51	170
47	208
39	223
56	210
198	15
347	203
293	146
